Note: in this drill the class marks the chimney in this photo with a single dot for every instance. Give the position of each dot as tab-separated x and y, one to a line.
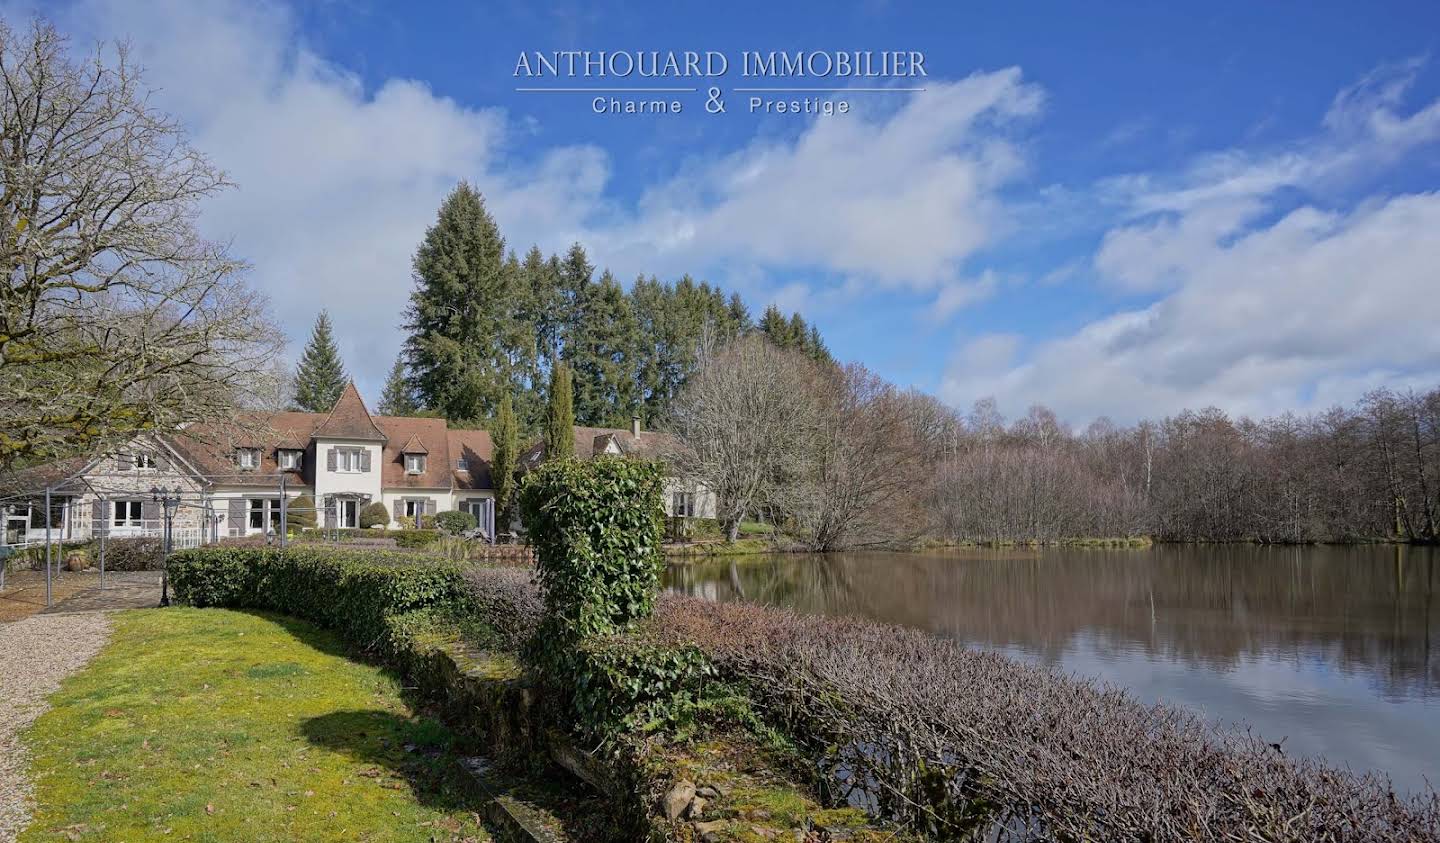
635	425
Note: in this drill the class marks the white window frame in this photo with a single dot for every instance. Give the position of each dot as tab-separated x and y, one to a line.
125	515
247	458
347	460
353	507
291	459
269	512
462	464
682	504
414	463
143	461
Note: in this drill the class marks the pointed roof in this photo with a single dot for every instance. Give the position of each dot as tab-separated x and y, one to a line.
349	419
413	445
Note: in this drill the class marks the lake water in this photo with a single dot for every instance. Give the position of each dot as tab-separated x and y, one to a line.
1330	649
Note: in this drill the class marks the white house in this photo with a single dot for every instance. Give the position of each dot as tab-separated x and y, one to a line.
231	477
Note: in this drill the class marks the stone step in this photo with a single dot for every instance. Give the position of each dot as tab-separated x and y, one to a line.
512	818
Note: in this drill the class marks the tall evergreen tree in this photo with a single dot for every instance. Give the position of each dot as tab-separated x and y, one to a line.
397	399
776	327
461	310
505	459
603	351
816	348
574	280
320	377
560	415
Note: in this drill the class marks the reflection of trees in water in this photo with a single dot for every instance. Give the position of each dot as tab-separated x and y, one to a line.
1366	609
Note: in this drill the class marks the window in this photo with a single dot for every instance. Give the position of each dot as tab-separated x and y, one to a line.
462	464
414	463
144	460
682	504
413	510
128	514
265	514
247	458
349	459
291	459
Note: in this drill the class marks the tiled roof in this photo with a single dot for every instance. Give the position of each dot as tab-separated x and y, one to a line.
477	450
349	419
413	445
430	437
590	441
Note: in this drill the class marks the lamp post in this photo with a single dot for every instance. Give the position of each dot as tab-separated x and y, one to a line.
169	500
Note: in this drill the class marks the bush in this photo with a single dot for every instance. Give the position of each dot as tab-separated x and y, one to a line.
300	513
957	742
352	592
411	539
140	553
454	522
427	522
596	527
374	515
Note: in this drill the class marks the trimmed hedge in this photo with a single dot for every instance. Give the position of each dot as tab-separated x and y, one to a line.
411	539
354	593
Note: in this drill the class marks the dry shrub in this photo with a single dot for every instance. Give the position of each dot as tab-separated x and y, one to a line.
958	742
962	743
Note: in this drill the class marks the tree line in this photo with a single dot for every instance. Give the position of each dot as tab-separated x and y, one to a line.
840	458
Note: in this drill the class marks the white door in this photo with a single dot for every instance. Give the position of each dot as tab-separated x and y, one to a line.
347	513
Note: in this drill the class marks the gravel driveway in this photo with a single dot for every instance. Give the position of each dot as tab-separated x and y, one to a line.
35	654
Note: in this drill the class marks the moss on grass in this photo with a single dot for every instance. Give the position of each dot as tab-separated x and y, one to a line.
207	724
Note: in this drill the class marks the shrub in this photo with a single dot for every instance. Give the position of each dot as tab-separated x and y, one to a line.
353	592
955	742
596	527
139	553
454	521
300	513
427	522
411	539
374	515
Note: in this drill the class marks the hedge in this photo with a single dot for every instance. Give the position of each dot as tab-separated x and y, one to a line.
352	592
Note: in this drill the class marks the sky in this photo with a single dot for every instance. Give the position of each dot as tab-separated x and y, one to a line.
1114	209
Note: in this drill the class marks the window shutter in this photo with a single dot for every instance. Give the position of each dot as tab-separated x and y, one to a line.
150	514
126	461
236	517
399	511
429	506
100	517
330	504
330	459
365	460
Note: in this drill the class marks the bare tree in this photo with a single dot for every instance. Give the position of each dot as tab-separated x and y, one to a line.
748	420
116	317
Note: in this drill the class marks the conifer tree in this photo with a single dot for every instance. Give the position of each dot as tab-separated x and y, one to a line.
397	399
776	327
459	350
602	352
560	415
320	377
574	280
506	458
739	315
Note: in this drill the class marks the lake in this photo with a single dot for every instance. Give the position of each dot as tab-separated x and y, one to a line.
1328	649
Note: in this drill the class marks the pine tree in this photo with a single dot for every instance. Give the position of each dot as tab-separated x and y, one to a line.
603	351
506	458
776	327
397	399
574	281
320	377
460	349
560	415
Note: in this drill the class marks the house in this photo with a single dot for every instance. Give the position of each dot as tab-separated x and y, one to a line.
231	478
682	498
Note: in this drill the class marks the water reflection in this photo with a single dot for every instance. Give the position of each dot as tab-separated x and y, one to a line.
1330	648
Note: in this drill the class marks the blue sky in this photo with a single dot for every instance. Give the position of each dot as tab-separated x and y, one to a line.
1115	209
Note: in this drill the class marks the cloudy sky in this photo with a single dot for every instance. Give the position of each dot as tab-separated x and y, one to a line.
1114	209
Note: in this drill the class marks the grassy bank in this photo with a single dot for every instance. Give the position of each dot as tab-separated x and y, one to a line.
218	725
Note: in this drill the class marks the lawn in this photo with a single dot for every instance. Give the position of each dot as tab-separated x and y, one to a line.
205	724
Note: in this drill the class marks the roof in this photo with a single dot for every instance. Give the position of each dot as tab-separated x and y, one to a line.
429	437
590	441
35	479
477	449
349	419
413	445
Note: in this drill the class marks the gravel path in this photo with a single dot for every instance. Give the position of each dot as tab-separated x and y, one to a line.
35	654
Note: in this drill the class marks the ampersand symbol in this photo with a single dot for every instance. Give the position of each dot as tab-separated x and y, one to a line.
713	103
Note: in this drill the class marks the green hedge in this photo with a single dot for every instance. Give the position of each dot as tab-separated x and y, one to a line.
411	539
353	592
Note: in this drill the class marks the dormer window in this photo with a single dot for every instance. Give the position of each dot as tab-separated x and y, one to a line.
247	458
291	459
144	460
414	463
462	464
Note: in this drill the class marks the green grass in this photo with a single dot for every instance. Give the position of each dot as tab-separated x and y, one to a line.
206	724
